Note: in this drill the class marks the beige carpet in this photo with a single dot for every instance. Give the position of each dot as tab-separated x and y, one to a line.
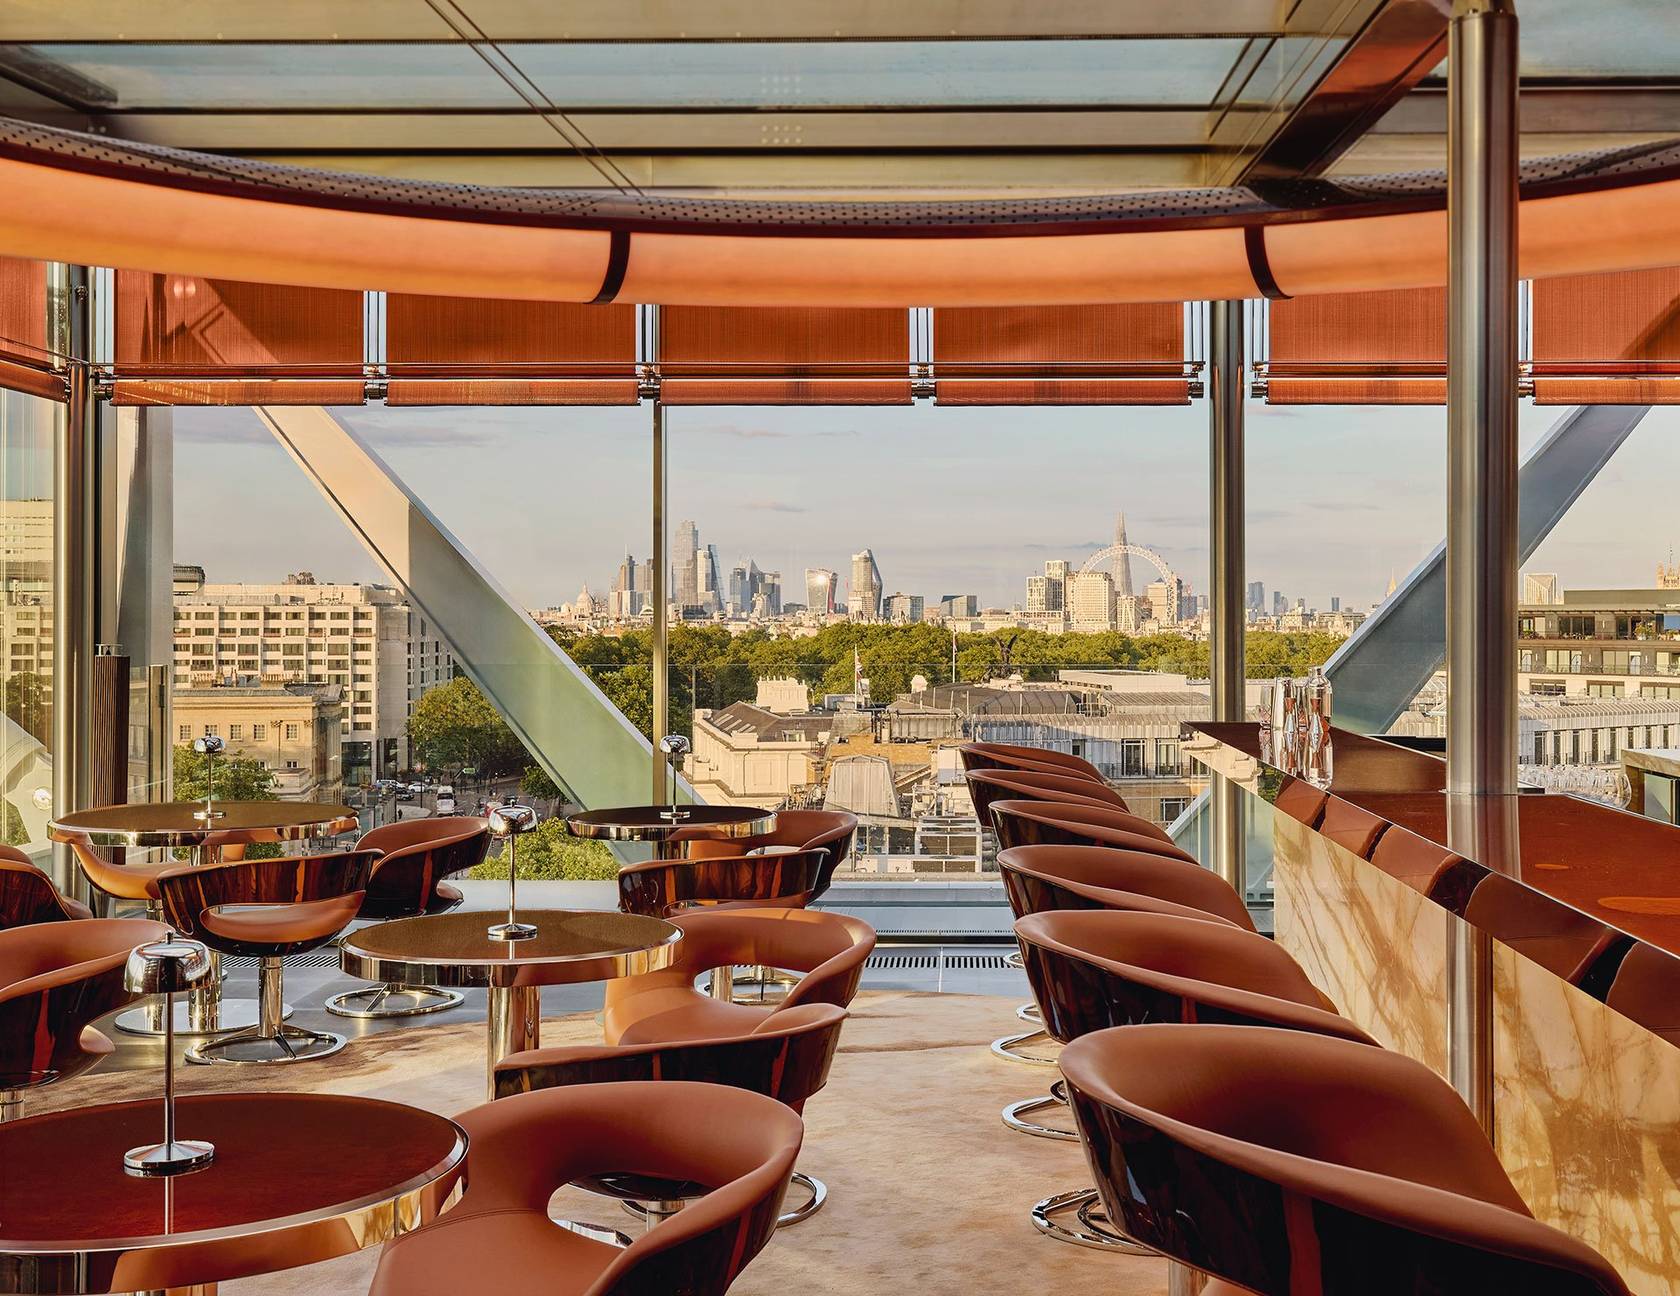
928	1191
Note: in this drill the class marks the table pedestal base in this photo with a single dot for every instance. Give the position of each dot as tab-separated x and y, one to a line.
514	1025
192	1020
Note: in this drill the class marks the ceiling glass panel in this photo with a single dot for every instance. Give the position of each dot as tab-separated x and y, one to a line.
1629	38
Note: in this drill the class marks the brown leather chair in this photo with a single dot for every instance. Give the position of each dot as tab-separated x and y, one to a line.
830	831
266	909
987	786
409	879
990	755
135	882
56	980
27	895
1562	940
1647	991
1031	823
1282	1162
786	1057
521	1149
664	887
828	950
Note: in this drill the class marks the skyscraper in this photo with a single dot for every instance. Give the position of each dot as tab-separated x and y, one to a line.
863	601
819	590
1541	587
628	596
709	577
1256	600
685	547
1122	564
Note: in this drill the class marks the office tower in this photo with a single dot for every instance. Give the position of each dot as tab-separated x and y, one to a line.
685	571
709	576
628	598
1335	603
959	605
902	609
769	589
863	601
1056	575
1280	605
819	590
1256	600
1091	601
1038	594
1122	564
1166	600
1542	587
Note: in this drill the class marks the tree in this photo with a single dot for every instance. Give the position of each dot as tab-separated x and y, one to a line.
27	698
238	778
536	784
551	854
454	726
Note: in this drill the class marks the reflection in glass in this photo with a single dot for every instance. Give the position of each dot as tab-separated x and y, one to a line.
26	624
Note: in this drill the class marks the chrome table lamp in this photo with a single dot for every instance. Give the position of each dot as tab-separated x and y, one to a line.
675	747
508	822
209	747
165	967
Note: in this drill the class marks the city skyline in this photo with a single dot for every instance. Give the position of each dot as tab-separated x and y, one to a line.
786	489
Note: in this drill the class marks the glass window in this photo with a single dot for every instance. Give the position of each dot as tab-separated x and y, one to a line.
236	732
259	732
209	731
292	733
184	733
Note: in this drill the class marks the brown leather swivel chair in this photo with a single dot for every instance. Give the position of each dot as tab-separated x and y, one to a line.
664	887
134	882
27	895
1030	823
265	909
830	831
991	755
987	786
409	879
1091	970
56	980
828	950
786	1057
1283	1162
521	1149
1041	878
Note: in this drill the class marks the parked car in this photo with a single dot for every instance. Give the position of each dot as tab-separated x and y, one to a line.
446	800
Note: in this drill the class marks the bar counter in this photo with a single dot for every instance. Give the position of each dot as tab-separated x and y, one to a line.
1583	903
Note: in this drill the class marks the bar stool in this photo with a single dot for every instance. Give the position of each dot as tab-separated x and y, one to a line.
1283	1162
1091	970
499	1237
990	755
27	895
987	786
786	1057
266	909
406	881
56	980
1033	823
663	887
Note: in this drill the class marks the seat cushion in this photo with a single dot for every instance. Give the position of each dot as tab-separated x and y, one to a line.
513	1253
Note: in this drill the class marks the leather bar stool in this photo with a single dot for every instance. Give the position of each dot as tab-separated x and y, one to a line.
27	895
987	786
499	1237
786	1057
1282	1162
1031	823
990	755
1647	990
663	887
830	831
266	909
56	980
1091	970
406	881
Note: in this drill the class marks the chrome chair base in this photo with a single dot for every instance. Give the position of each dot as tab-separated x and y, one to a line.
1011	1048
1030	1012
379	1002
763	985
1015	1115
596	1233
654	1211
1014	960
255	1046
1091	1228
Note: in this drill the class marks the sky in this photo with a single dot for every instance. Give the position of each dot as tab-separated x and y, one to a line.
950	500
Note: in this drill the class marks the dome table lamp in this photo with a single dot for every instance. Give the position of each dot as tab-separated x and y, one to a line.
209	747
165	967
509	822
675	747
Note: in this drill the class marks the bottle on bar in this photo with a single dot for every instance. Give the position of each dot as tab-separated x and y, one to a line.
1318	761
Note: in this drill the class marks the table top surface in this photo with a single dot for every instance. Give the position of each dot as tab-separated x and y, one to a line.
316	1175
657	822
570	946
171	823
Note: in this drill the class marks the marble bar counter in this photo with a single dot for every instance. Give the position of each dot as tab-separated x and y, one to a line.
1583	903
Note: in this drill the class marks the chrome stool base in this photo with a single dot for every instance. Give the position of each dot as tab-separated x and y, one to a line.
1011	1048
1092	1230
257	1047
1015	1115
379	1002
764	985
596	1232
654	1211
1030	1012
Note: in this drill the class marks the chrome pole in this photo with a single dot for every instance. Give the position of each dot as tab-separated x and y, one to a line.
75	495
1227	674
514	1025
661	595
1482	536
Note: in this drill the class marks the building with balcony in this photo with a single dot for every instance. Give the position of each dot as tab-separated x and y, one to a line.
1603	644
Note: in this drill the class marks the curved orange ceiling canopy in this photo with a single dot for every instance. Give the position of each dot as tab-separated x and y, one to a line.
89	200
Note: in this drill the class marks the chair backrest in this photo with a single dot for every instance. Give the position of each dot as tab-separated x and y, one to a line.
55	980
125	882
787	1057
987	786
420	853
1040	878
1091	970
990	755
1647	990
1287	1162
27	895
830	831
1563	940
661	888
1033	823
324	890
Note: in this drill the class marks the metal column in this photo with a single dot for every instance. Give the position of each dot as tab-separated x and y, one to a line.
75	580
661	594
1228	675
1482	544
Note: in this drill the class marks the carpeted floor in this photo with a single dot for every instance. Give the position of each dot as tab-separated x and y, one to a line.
928	1191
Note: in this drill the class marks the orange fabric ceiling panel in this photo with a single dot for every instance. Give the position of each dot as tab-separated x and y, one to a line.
1060	355
25	361
476	351
784	355
173	328
1361	348
1611	339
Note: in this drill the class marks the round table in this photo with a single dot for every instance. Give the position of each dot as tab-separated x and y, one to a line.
296	1178
169	825
455	949
658	823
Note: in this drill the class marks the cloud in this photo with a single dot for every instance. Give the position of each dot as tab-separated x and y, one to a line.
741	431
774	506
